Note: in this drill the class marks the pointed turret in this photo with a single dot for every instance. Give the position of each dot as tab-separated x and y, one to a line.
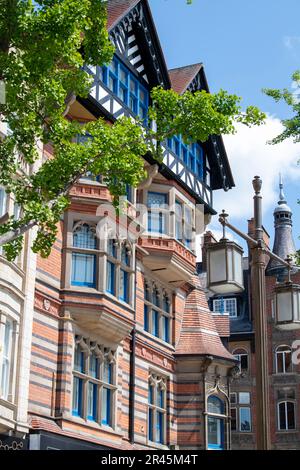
283	242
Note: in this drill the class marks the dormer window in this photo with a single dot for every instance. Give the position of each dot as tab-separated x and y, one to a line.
123	83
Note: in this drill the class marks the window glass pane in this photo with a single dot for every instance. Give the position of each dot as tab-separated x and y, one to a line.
178	221
6	359
215	405
156	200
160	427
146	317
233	398
84	237
156	222
215	433
165	328
110	277
78	359
123	285
77	397
151	394
123	76
155	323
83	270
106	406
2	202
92	401
161	398
93	366
245	419
282	416
233	419
244	398
107	372
290	408
111	247
150	424
244	362
124	256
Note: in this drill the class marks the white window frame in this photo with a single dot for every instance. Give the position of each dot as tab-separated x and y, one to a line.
283	362
226	312
286	417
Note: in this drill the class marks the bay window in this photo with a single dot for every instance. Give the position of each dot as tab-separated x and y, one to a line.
93	382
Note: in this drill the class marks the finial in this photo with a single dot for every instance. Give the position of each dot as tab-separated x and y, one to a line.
282	199
257	184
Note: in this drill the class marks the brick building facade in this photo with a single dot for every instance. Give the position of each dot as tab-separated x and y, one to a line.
284	383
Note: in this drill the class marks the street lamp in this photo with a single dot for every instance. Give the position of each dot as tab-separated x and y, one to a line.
224	266
220	261
287	304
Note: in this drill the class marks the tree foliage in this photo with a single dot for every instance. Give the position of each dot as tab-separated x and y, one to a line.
43	47
292	99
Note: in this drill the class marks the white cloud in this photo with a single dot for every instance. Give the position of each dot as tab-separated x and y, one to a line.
291	42
249	155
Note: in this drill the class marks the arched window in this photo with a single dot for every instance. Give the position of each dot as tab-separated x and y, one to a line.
83	263
286	415
216	423
157	311
242	356
283	359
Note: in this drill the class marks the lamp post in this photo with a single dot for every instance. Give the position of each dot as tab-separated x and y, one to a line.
287	302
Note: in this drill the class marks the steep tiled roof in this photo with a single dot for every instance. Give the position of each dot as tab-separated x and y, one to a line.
181	77
199	334
116	9
222	323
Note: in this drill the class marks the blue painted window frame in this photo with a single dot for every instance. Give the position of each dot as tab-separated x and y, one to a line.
155	323
124	285
127	87
192	155
84	239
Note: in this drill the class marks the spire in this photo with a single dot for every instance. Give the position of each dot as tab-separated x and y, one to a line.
283	242
282	199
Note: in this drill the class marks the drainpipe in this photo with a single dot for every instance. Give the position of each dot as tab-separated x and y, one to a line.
132	366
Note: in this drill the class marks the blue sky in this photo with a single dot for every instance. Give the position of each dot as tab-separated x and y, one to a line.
245	46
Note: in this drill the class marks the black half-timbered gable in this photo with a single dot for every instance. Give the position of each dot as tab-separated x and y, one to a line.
123	88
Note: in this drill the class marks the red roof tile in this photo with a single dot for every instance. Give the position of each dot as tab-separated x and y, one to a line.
116	9
199	334
181	77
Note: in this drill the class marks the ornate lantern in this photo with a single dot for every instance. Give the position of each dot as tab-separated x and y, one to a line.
287	306
224	267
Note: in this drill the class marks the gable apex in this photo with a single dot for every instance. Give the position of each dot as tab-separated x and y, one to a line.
132	31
